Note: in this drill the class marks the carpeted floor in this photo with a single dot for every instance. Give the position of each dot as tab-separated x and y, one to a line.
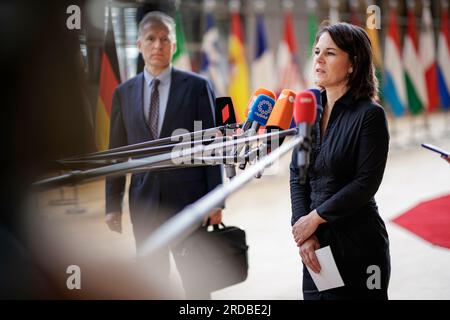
429	220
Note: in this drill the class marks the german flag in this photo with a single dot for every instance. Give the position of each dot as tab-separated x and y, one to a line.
109	79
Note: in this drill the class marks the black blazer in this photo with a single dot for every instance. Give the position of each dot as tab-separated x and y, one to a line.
190	99
346	169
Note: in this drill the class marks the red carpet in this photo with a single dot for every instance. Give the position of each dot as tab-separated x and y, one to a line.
429	220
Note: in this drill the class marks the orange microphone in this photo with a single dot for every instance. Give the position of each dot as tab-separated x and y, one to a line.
281	116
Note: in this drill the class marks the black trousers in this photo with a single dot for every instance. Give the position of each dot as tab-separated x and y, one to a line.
347	292
159	265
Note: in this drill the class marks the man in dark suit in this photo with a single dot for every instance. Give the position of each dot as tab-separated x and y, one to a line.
149	106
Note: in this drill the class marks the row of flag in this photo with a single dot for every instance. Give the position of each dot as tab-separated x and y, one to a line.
414	77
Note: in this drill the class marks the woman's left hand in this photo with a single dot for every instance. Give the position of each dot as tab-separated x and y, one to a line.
306	226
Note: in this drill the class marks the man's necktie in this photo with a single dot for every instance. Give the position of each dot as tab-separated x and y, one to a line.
154	109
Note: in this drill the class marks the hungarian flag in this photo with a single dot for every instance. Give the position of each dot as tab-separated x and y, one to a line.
239	80
289	76
109	79
428	56
262	66
443	58
312	30
414	71
394	90
181	58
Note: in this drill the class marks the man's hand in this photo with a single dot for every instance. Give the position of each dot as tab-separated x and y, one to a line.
215	215
308	254
114	221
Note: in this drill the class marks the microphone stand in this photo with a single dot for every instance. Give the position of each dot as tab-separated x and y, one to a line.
122	168
191	136
186	221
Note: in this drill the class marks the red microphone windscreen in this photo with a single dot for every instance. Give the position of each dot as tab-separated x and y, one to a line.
281	115
305	108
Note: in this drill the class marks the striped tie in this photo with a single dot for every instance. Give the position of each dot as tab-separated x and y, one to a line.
154	109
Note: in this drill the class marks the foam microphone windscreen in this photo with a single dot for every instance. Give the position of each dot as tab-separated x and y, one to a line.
261	109
305	108
265	91
281	116
317	94
258	92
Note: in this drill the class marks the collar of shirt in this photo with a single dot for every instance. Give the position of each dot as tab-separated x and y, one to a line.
164	88
345	100
341	104
164	76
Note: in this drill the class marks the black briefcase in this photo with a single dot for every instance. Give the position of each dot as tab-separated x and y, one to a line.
217	255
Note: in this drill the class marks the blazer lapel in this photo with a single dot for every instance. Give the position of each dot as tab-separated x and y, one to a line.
176	93
138	97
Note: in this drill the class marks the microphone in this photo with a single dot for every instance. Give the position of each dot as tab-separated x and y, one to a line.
259	113
281	116
304	116
260	107
260	91
318	96
280	119
224	111
258	116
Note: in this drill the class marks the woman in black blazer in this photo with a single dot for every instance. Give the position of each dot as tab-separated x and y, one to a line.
336	205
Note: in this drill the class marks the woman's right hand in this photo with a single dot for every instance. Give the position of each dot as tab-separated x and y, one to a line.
307	253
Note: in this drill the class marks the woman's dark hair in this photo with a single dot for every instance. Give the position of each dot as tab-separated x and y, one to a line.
354	40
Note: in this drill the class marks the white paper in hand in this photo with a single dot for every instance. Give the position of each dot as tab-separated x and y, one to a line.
329	276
